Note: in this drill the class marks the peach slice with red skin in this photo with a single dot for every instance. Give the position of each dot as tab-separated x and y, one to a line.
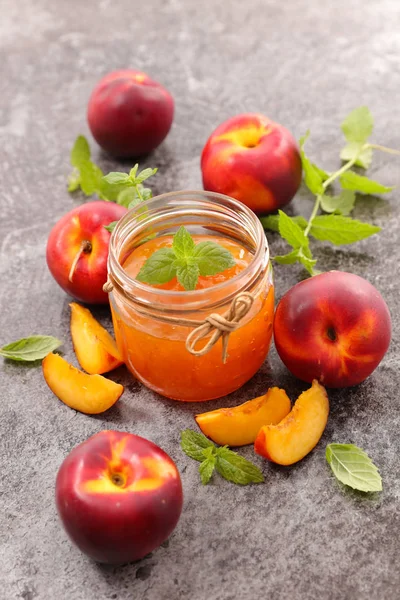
89	394
299	432
239	425
94	347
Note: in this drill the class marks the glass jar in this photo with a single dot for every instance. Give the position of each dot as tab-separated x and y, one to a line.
152	324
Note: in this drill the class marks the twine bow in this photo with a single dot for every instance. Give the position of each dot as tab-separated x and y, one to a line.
220	326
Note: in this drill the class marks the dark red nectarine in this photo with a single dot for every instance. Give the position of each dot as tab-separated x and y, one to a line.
334	327
129	114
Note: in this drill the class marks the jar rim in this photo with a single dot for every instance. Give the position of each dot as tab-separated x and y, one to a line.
138	288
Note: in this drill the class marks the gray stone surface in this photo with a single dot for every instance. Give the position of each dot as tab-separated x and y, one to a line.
301	536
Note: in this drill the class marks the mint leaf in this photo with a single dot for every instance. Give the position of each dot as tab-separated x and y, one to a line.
133	171
80	152
229	464
187	275
359	183
312	175
206	469
212	258
363	153
90	178
291	231
111	226
31	348
358	125
353	467
183	244
323	174
143	175
146	193
116	178
357	128
128	197
306	260
343	203
237	469
193	444
185	260
341	230
272	222
287	259
159	268
86	174
296	256
74	181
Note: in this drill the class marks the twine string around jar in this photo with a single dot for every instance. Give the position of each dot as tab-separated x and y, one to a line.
219	326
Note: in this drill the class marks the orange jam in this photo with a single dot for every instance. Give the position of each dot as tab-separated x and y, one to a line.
155	351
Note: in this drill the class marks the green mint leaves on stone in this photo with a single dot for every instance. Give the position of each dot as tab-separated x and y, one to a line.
357	128
294	234
340	230
186	261
361	184
336	226
128	186
193	444
353	467
313	176
31	348
123	188
227	463
86	174
235	468
342	204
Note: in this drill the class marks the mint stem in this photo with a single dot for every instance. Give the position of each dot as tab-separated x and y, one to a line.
327	183
136	186
313	215
383	149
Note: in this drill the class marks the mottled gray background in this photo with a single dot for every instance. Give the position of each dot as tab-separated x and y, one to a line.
305	64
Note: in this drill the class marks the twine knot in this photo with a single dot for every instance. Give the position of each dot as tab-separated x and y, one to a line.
108	286
221	326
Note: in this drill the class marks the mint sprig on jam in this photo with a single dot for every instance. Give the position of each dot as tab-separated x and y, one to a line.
186	261
228	464
336	225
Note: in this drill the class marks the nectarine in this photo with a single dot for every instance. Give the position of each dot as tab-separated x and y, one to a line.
90	394
334	327
119	496
94	347
299	432
77	250
129	113
252	159
239	425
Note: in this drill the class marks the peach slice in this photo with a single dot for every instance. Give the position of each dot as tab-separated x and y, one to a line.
299	432
240	425
94	347
90	394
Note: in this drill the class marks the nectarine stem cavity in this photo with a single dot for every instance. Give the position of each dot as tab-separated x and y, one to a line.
85	248
118	479
331	333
